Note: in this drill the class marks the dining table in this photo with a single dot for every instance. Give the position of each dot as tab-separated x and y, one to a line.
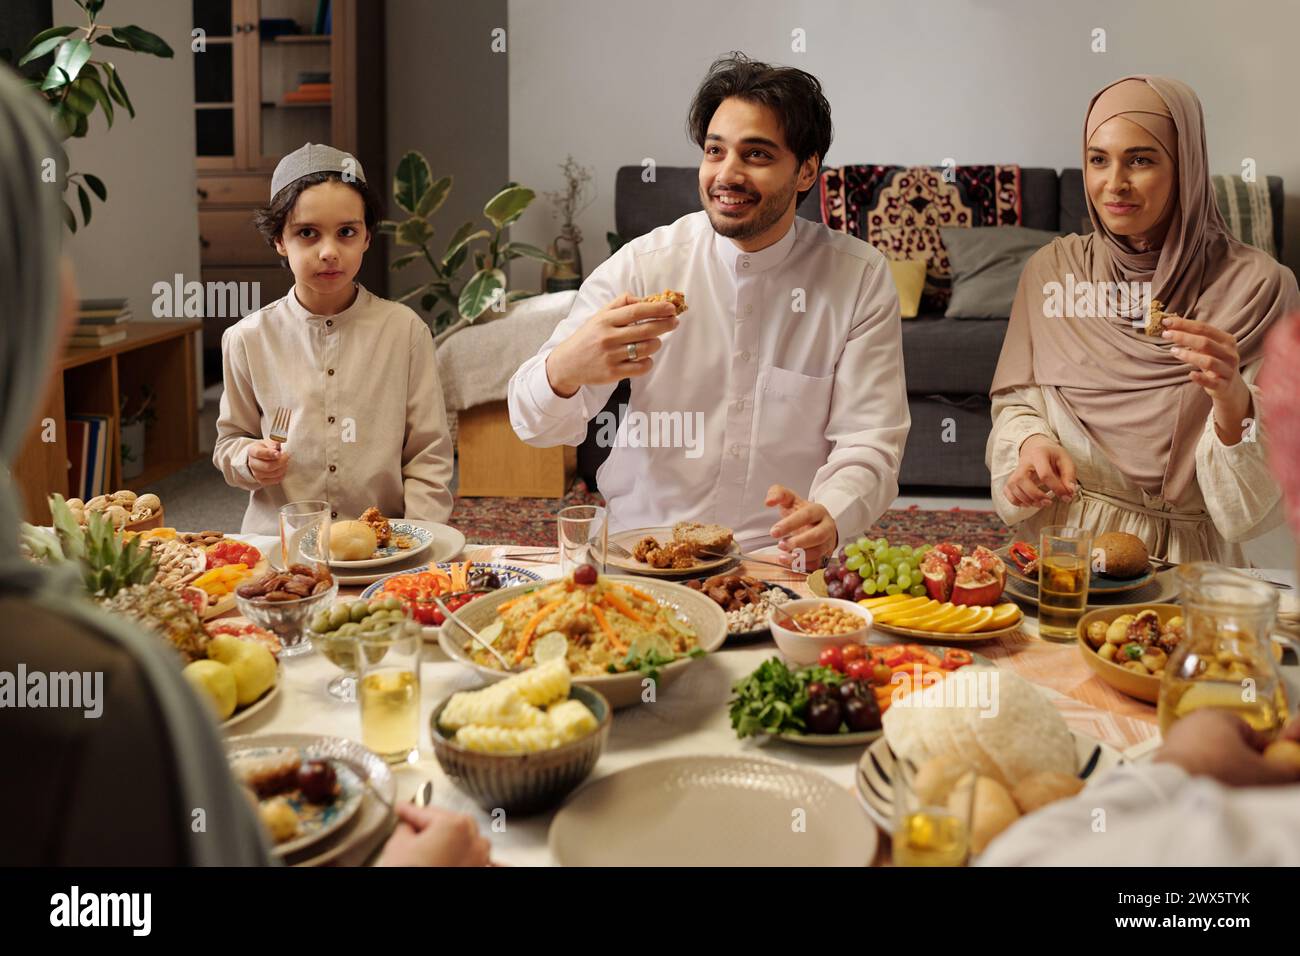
688	717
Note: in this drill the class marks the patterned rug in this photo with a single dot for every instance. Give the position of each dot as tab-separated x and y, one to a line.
531	522
900	211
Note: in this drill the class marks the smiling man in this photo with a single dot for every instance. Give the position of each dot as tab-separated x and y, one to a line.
789	352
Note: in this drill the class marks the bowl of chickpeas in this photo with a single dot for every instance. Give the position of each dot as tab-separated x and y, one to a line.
822	623
1128	646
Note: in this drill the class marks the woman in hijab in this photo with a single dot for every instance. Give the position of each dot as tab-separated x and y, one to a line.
1099	423
125	785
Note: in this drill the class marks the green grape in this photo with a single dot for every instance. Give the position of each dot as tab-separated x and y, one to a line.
904	580
879	552
893	589
851	549
901	567
906	549
854	562
864	544
925	549
917	589
886	573
868	585
882	582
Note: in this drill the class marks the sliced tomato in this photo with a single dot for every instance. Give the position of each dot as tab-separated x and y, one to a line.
895	654
229	551
955	657
923	654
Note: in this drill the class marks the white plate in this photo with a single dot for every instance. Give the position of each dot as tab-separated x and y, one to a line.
712	811
876	770
447	543
382	556
621	690
628	539
325	821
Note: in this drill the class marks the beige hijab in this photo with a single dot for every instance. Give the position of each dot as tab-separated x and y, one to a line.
1127	391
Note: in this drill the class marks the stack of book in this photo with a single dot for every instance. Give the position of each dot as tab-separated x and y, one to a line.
100	322
88	449
322	93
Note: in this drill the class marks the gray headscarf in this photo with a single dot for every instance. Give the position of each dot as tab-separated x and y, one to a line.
30	237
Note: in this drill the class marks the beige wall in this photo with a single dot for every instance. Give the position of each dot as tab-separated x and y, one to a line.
910	81
447	98
148	230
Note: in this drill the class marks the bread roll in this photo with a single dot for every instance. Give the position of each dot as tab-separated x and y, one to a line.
994	812
1124	554
1040	789
352	541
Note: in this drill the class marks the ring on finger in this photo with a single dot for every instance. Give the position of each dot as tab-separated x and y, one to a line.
631	352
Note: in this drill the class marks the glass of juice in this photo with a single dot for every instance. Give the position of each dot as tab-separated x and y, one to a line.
1225	657
932	827
388	688
1064	554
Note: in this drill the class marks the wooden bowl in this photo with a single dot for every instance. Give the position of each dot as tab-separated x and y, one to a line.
1142	686
155	520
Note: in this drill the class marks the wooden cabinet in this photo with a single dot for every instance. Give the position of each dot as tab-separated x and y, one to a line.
159	355
246	119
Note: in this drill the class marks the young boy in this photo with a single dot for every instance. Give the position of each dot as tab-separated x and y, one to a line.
357	372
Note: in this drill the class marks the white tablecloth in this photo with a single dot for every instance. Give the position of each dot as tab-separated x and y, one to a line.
689	717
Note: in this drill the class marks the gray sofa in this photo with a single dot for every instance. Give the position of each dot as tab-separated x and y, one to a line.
949	362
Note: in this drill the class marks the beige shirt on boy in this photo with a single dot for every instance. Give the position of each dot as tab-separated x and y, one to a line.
369	426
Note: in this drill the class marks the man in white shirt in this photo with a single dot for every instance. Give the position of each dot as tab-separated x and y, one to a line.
781	386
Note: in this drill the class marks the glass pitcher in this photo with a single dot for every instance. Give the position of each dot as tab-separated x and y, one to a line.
1225	657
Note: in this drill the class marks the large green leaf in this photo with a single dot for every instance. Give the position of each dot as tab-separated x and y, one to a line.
452	264
508	205
96	186
117	90
463	237
431	200
90	83
513	250
405	261
44	42
79	99
412	180
480	292
69	218
72	56
414	232
142	41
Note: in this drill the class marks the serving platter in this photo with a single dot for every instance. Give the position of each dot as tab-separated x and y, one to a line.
629	539
447	543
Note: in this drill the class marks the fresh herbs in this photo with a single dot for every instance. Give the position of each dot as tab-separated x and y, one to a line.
774	699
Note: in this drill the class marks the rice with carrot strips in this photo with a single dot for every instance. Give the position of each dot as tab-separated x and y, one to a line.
602	623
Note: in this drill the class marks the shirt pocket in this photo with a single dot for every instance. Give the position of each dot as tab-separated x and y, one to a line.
793	409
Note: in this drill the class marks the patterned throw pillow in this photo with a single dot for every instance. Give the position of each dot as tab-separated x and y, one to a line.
900	211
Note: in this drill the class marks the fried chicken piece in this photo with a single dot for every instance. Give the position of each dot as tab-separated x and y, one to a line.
678	299
643	548
379	524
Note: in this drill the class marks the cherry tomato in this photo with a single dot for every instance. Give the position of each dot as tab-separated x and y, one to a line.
881	675
833	658
853	652
859	669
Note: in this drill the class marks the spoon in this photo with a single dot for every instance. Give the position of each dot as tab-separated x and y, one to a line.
786	620
451	616
423	794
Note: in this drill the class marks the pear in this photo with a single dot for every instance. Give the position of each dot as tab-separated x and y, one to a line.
214	681
253	664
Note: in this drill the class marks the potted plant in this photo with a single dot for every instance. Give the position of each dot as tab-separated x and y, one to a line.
133	427
417	193
577	196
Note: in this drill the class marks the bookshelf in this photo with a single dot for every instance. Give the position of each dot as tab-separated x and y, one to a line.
90	381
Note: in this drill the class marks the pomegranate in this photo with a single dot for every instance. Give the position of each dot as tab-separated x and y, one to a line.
938	574
952	552
981	576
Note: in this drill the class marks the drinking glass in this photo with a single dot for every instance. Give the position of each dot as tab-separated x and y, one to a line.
1224	658
389	690
305	533
1063	572
930	833
584	538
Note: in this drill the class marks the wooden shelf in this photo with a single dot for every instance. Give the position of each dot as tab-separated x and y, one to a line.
288	39
159	355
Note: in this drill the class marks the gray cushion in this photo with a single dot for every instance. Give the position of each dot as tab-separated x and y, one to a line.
951	356
986	266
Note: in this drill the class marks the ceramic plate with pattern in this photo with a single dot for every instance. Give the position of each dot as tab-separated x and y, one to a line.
508	574
419	539
315	821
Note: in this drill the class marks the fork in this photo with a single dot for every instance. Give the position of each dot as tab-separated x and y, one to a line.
280	426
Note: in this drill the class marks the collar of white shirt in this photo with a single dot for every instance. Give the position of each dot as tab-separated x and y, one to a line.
299	311
744	263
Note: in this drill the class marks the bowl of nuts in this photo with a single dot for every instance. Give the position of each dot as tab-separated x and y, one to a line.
284	601
803	629
125	509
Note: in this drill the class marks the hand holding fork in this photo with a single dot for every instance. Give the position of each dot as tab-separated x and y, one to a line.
266	459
